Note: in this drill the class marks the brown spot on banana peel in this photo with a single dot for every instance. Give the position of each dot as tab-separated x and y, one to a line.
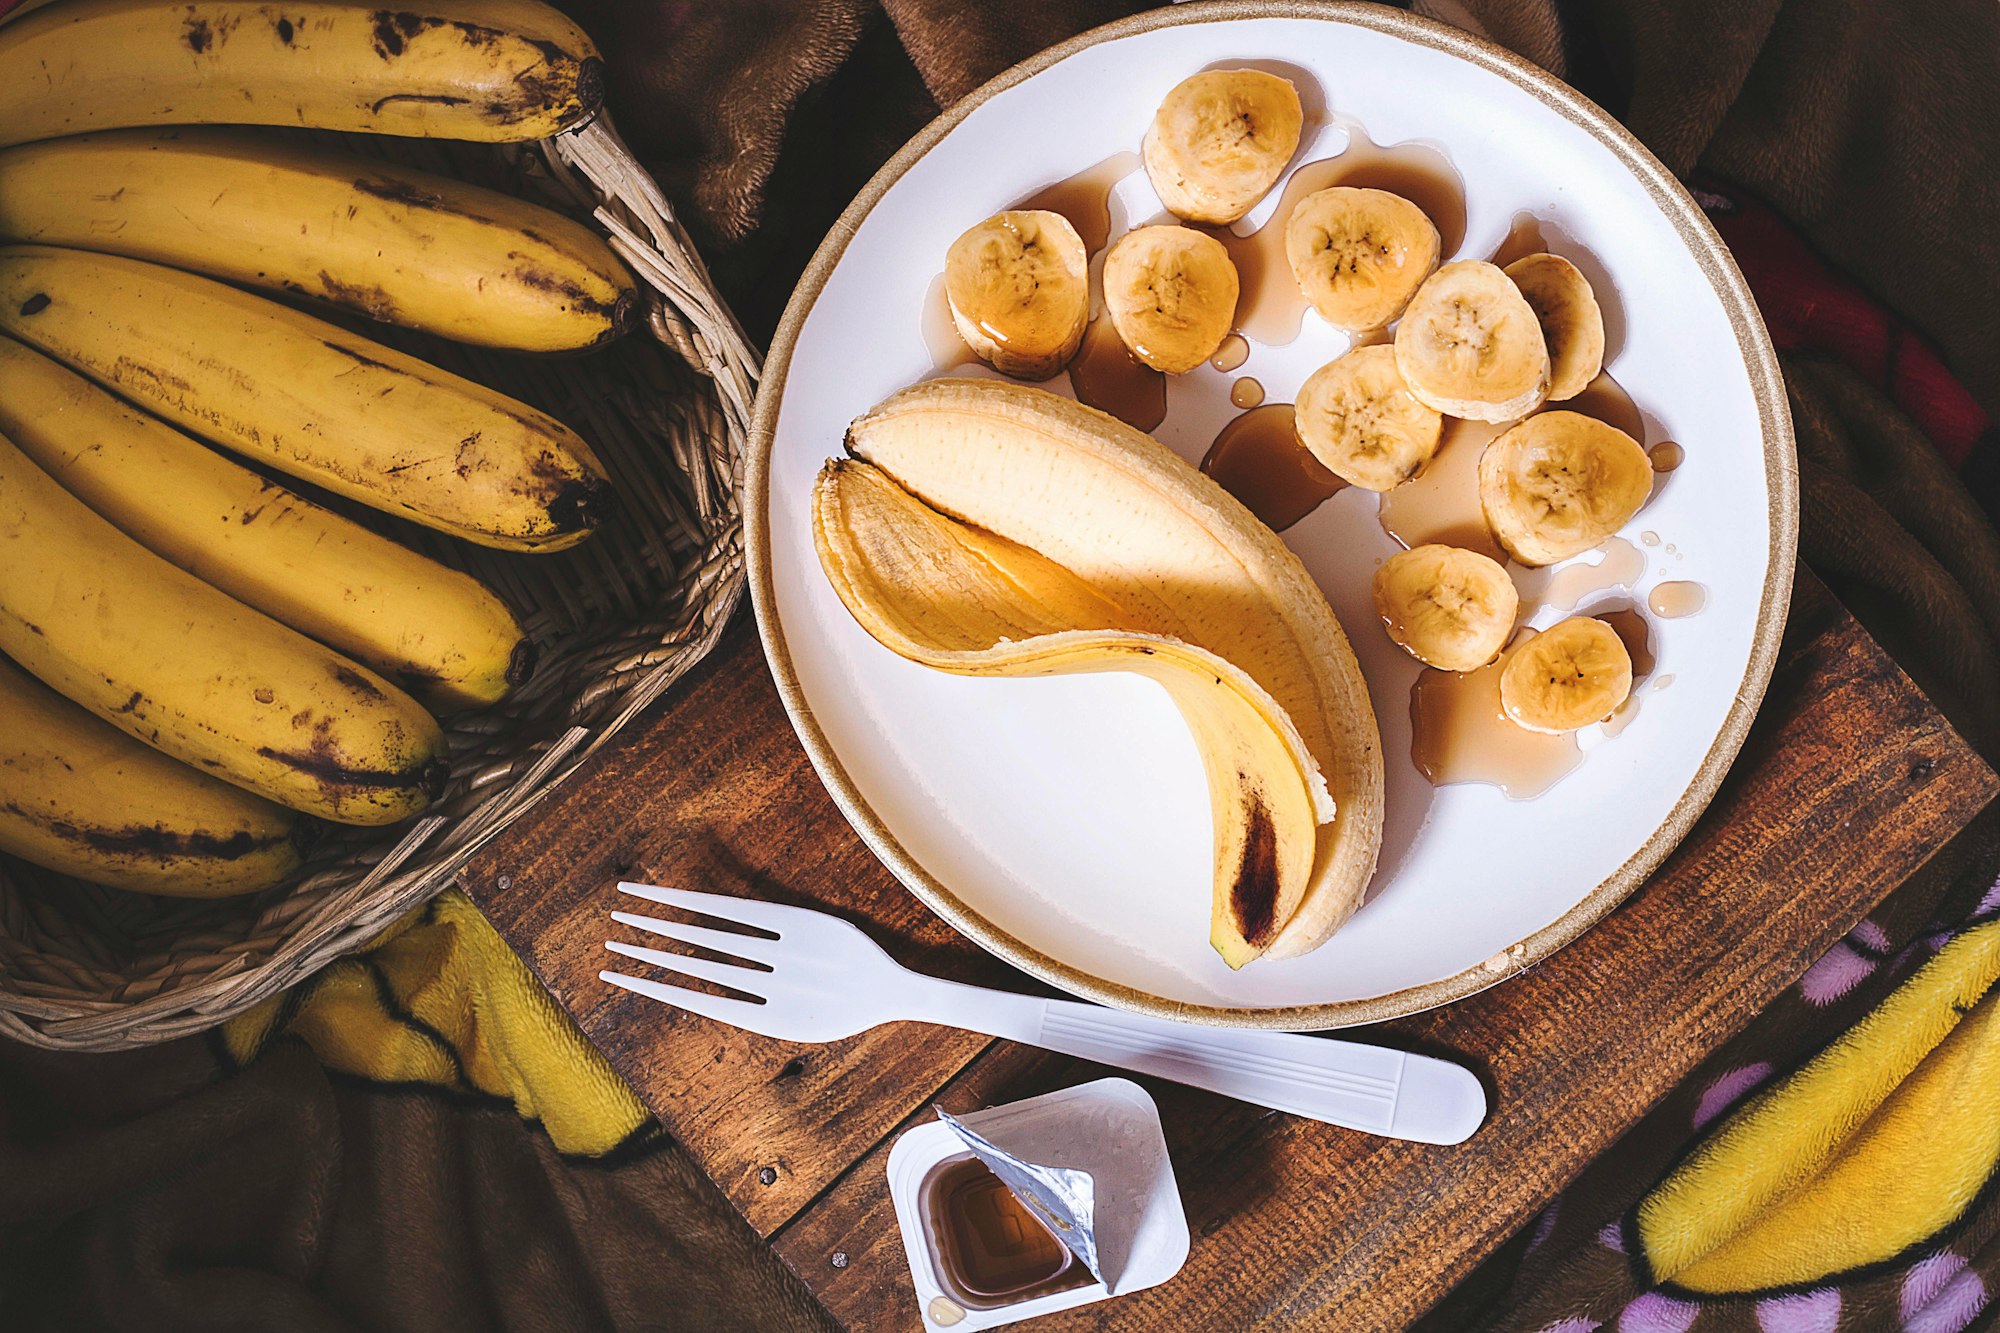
320	764
156	842
1253	897
369	300
35	304
359	685
521	662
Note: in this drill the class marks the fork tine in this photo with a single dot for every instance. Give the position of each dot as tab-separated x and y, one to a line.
723	941
723	974
749	911
737	1013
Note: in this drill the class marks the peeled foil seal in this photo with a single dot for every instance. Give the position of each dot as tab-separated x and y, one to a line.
1062	1196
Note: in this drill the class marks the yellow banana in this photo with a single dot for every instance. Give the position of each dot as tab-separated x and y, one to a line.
495	71
192	672
943	593
393	243
80	797
1179	558
308	397
433	630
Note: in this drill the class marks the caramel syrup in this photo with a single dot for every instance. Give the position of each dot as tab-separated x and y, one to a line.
1649	539
1441	503
1524	238
1459	734
1666	456
1605	398
1258	459
1085	198
1235	350
1270	307
1671	601
1107	377
1621	567
1246	393
990	1247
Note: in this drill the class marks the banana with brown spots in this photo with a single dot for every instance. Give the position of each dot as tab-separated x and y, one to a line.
389	242
80	797
196	674
308	397
494	71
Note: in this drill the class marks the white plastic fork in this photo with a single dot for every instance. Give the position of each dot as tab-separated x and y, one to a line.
822	979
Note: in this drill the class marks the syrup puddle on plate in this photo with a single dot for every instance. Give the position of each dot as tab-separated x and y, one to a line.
1441	503
1566	588
1085	198
1459	734
1107	377
1257	459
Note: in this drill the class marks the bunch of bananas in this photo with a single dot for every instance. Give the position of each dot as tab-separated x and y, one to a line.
200	660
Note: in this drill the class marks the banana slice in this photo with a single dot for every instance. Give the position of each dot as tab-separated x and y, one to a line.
1470	346
1171	294
1220	141
1359	254
1568	676
1447	607
1360	420
1572	324
1559	483
1019	288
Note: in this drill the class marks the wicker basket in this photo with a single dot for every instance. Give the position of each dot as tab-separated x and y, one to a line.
616	619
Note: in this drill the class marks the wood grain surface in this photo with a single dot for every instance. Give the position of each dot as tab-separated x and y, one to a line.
1850	782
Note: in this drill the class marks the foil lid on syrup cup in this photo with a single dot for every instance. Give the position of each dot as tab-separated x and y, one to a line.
1085	1206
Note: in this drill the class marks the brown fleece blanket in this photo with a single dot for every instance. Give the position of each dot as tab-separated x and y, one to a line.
168	1189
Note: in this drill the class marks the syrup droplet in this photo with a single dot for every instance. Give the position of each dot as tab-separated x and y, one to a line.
1235	350
1441	503
1258	459
1649	539
1085	198
1105	376
1663	682
1666	456
1246	392
1671	601
1459	734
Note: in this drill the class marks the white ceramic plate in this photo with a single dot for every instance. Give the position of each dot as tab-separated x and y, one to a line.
1063	823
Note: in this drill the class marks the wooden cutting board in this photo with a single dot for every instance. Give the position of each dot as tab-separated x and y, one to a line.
1850	782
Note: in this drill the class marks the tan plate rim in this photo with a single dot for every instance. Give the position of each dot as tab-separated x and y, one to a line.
1781	472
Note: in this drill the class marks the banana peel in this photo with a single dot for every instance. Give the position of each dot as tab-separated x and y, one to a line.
990	528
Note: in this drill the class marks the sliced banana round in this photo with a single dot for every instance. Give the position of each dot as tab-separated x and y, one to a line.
1470	346
1359	254
1560	483
1361	422
1568	676
1019	288
1171	294
1447	607
1220	141
1572	324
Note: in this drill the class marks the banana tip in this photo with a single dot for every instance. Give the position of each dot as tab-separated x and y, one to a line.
521	662
433	777
583	505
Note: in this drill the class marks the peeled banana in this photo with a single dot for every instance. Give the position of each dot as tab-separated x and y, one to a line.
435	631
80	797
1220	141
1568	676
1359	254
196	674
1560	483
1360	420
1180	558
1447	607
1470	346
309	398
487	70
953	597
1171	294
393	243
1572	324
1019	288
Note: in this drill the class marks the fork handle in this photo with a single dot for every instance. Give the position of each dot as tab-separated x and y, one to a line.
1375	1089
